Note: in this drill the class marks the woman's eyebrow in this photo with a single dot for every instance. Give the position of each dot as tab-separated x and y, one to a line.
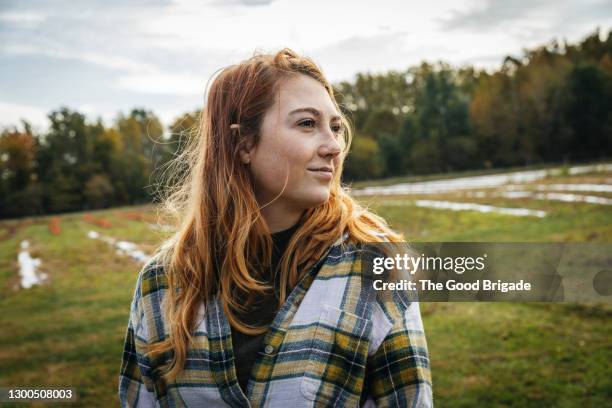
313	111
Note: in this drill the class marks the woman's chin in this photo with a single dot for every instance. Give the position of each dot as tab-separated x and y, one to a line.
317	198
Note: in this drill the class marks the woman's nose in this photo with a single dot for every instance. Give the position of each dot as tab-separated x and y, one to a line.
331	146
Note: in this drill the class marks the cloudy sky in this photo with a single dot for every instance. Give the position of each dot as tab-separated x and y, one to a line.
105	56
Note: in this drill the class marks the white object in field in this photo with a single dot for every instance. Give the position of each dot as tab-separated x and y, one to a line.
28	267
130	249
591	188
466	183
448	205
566	197
124	248
573	198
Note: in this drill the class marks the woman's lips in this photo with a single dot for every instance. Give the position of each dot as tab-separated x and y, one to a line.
323	174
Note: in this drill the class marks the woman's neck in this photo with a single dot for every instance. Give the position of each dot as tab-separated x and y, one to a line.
280	218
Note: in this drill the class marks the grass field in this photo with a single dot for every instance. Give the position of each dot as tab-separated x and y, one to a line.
69	331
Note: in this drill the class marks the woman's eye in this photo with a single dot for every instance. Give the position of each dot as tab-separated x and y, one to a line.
337	128
307	122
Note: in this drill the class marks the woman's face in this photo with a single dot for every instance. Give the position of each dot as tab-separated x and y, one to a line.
299	145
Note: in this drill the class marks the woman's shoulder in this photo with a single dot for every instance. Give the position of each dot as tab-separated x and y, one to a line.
147	315
151	279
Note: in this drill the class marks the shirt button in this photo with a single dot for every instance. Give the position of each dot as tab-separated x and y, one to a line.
269	349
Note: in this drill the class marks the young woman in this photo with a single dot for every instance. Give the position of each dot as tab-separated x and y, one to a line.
258	299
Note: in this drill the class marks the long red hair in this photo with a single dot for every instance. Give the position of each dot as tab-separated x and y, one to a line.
222	242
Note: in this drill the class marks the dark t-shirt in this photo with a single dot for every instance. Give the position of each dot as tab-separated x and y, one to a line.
262	313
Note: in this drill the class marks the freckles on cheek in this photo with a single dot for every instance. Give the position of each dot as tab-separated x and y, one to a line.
291	159
293	151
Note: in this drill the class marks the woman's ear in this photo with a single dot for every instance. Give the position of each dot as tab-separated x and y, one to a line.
246	151
245	156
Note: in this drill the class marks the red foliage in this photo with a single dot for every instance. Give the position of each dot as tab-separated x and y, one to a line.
100	222
54	226
132	215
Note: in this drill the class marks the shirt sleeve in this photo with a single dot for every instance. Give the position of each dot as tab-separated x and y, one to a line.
398	371
135	390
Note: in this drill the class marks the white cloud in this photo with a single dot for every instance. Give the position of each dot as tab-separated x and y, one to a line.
111	61
12	113
155	49
156	82
27	19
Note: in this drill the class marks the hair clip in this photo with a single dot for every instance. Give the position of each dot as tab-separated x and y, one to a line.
234	126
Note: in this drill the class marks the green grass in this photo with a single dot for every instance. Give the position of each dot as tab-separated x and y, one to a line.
69	332
518	354
565	222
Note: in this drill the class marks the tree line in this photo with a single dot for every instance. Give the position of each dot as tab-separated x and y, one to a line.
552	104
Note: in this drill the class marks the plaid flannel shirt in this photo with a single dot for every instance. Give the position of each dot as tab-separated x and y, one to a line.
331	334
